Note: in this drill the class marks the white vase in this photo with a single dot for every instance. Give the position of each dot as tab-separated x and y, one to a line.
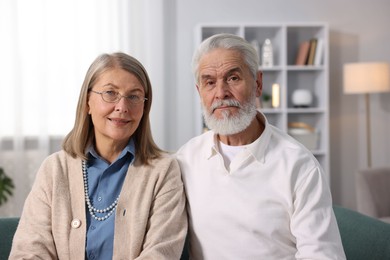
301	98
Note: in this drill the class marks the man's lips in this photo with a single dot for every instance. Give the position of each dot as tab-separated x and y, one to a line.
225	104
223	107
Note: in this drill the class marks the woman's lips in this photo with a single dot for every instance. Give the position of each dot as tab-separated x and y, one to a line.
119	121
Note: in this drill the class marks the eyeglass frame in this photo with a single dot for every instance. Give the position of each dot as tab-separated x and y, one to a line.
119	97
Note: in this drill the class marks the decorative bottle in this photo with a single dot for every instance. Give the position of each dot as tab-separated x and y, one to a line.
267	54
255	44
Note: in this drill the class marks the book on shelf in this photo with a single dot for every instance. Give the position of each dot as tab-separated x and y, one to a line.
319	52
303	53
312	51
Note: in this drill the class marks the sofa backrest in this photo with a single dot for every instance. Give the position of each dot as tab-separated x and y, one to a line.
363	237
7	231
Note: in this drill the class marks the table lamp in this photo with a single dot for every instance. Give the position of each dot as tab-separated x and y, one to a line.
365	78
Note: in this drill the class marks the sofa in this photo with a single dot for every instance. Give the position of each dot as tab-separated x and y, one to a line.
7	230
363	237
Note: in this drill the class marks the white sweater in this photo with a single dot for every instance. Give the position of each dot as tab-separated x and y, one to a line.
273	203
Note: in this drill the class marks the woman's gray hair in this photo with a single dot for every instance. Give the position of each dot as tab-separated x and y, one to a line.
82	135
229	42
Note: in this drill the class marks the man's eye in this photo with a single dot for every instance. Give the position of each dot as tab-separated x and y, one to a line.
209	83
233	78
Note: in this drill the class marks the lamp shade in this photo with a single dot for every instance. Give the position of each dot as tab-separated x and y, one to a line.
367	77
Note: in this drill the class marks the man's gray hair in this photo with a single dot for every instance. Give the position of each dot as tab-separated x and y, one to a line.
229	42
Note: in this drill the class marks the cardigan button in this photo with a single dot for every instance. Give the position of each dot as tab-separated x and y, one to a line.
76	223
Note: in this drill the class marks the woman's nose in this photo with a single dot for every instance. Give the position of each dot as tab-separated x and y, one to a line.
122	105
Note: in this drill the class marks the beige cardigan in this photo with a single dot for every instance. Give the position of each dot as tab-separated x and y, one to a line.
150	222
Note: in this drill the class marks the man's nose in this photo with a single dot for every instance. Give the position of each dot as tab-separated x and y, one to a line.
222	90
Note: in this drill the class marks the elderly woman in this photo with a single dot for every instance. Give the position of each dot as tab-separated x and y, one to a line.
111	193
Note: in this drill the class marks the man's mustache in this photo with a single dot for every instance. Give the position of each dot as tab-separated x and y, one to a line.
225	103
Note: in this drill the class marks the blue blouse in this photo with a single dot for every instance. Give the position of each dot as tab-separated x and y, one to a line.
105	183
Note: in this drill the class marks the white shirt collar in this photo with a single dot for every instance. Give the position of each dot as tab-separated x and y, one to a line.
256	148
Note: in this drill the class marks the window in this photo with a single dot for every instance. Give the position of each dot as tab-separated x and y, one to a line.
45	51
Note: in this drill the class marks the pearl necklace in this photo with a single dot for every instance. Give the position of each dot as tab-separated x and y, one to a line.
92	210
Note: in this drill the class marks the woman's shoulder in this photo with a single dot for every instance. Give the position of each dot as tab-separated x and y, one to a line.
59	158
55	168
163	165
58	164
165	158
161	159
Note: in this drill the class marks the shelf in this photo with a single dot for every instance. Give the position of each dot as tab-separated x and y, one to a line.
304	68
271	110
274	68
305	110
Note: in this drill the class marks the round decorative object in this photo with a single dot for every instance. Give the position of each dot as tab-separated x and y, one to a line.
76	223
301	98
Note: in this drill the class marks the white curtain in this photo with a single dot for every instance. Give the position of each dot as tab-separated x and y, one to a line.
46	47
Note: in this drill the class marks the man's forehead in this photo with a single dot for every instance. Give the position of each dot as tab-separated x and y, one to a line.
220	55
221	60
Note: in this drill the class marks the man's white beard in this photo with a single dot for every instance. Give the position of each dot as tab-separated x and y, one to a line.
230	124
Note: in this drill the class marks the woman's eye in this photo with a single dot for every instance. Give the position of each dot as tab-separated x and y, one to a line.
111	93
134	97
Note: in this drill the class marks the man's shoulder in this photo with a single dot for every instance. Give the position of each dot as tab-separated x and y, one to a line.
282	143
282	138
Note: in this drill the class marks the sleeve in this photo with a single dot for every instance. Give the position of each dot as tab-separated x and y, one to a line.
167	224
33	238
313	222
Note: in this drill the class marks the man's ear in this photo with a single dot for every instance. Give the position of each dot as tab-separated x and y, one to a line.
259	83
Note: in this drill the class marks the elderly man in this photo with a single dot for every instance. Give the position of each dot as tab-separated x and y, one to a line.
253	192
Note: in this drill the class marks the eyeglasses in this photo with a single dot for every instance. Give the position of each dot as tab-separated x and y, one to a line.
112	96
